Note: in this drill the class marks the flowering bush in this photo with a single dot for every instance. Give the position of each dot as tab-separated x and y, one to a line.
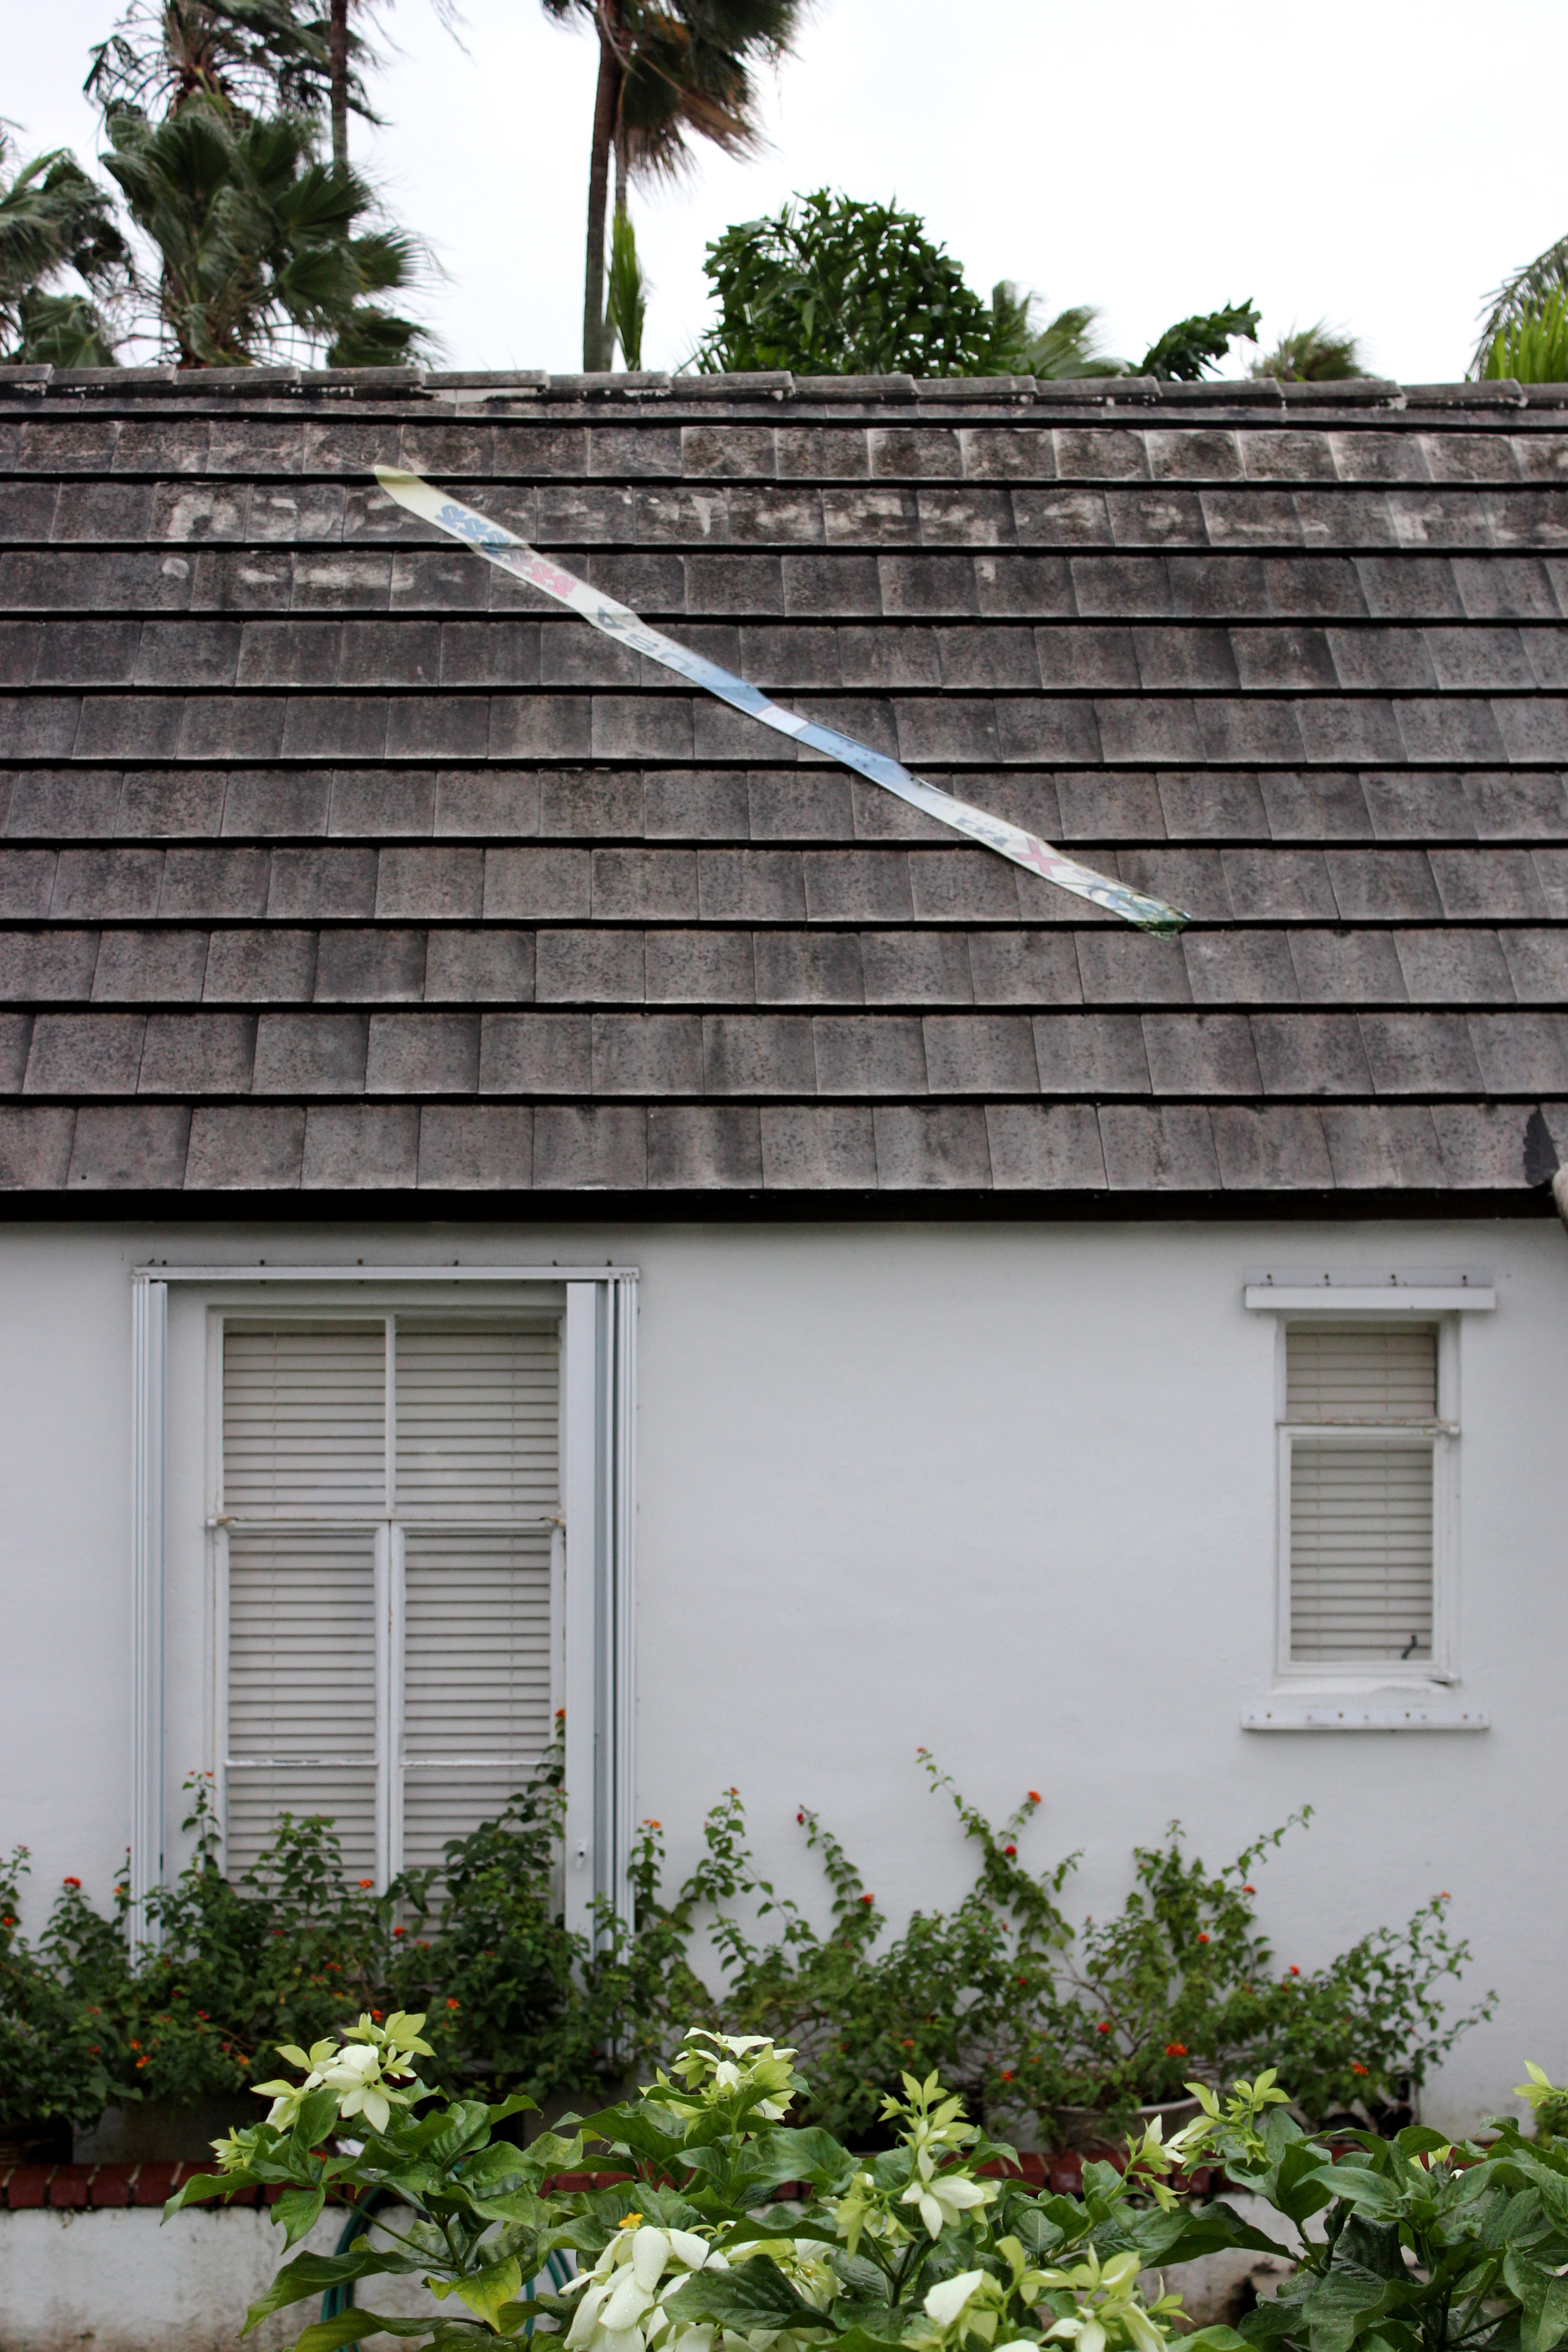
696	2247
1058	2035
733	2227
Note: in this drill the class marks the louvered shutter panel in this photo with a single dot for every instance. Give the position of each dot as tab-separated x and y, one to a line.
1361	1512
478	1413
1384	1372
304	1437
304	1421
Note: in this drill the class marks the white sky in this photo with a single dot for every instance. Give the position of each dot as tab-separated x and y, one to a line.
1357	159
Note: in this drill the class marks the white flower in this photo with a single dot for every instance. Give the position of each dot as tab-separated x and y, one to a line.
948	2297
942	2200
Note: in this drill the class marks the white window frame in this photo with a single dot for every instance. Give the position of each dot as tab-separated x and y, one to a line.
1384	1695
598	1414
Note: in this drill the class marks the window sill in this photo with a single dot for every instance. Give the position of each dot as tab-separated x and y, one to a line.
1375	1711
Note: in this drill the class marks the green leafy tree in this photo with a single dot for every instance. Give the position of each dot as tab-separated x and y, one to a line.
832	287
56	222
1186	351
671	72
1315	354
260	245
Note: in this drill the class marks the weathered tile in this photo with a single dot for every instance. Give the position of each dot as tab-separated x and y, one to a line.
1047	1148
935	1147
817	1148
1167	1149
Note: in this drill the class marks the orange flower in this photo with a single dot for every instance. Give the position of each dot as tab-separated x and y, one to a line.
1202	1940
1104	2025
1006	2074
1034	1797
1175	2049
71	1882
452	2004
906	2043
398	1932
1009	1849
143	2062
1250	1890
1356	2068
1295	1972
867	1899
365	1883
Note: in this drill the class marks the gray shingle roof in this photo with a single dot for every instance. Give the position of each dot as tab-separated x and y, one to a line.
332	859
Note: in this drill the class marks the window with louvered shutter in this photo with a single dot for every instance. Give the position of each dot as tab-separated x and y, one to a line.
1360	1451
390	1505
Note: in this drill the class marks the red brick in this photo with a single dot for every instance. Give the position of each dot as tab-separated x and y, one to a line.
69	2186
154	2184
111	2184
28	2186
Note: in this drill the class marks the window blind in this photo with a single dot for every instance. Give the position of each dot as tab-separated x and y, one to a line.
1361	1511
388	1493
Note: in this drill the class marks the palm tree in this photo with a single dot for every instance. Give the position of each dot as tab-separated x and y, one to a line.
1315	354
669	70
1531	347
53	218
1523	296
1059	348
263	57
261	246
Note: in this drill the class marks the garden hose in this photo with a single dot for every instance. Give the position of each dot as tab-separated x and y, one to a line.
339	2299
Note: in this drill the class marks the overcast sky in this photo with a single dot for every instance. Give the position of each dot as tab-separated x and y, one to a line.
1358	160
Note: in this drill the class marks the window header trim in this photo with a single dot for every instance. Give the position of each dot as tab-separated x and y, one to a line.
360	1272
1345	1298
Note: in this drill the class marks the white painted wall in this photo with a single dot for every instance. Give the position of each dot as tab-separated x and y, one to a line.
1005	1490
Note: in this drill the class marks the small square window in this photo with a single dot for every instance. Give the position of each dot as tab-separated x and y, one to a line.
1361	1494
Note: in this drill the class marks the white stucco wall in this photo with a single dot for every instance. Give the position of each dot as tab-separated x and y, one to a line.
1004	1490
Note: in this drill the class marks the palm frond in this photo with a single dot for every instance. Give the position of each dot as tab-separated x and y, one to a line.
260	242
1532	346
1060	348
625	305
1520	297
1315	354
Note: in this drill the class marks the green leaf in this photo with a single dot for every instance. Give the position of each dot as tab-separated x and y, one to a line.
204	2186
756	2293
486	2294
315	2118
858	2339
636	2130
517	2104
1341	2305
297	2210
1215	2339
310	2274
348	2327
1544	2298
1189	2232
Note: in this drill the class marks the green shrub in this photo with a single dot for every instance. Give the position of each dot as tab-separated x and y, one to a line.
1053	2033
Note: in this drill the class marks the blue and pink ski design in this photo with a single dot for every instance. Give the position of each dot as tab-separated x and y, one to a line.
501	547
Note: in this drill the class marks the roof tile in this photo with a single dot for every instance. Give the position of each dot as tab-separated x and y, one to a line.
812	1148
1273	1148
475	1147
361	1147
245	1147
